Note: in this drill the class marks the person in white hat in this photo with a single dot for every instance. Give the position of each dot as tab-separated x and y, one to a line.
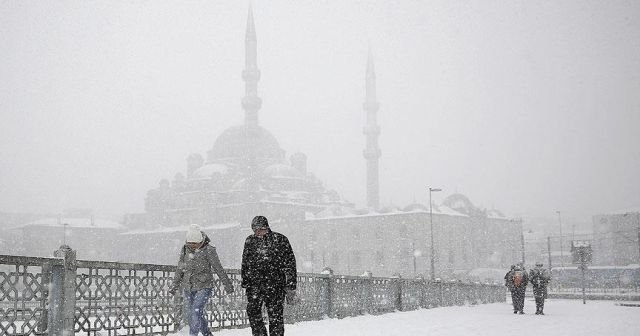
194	276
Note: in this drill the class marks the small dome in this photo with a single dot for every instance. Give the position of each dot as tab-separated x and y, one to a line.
460	203
281	170
241	184
209	170
416	207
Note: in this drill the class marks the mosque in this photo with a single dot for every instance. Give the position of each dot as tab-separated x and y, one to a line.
246	173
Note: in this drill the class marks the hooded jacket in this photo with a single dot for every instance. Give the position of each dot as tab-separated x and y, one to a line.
196	267
539	278
268	261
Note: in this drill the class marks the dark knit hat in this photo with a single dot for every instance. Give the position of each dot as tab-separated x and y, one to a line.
259	222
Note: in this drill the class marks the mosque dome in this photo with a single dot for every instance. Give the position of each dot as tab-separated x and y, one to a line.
460	203
236	142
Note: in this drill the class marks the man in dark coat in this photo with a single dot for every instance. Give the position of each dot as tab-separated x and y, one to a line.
269	276
508	282
519	280
539	278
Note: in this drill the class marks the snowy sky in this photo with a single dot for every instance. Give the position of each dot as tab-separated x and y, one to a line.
526	106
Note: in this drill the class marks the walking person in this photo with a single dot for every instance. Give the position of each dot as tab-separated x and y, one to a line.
508	282
519	279
539	278
269	276
194	276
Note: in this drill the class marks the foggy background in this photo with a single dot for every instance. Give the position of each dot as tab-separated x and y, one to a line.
528	107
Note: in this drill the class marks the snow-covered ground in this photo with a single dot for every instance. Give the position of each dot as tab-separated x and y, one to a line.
563	318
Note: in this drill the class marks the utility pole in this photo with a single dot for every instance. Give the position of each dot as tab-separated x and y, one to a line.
561	252
433	259
549	251
522	240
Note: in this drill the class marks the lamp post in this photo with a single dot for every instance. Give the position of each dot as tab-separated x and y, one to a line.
64	233
521	239
561	252
433	270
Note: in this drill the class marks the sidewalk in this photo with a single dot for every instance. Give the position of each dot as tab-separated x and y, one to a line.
563	318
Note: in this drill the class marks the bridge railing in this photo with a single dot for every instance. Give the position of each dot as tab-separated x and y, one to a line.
56	296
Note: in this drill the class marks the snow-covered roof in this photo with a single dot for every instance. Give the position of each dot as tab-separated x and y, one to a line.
74	223
623	211
496	214
214	227
629	267
443	210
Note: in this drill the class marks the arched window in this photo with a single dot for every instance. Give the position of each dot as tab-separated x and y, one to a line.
335	259
404	232
356	262
333	235
379	258
355	233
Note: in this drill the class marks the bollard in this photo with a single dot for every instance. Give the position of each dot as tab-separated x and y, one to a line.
329	294
397	289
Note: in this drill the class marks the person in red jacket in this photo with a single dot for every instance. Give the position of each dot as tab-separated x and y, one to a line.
519	280
269	276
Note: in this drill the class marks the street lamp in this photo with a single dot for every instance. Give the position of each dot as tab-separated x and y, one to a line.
433	270
64	233
561	252
638	227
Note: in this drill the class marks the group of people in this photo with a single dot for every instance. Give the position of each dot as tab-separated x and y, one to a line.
517	280
268	274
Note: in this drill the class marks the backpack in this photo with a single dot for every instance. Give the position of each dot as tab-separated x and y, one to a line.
538	277
518	278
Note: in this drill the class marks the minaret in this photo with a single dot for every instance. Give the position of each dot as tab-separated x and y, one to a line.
371	132
251	102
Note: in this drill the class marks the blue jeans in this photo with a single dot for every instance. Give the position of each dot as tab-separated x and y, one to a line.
194	302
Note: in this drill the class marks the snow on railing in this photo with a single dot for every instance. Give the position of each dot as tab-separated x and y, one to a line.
55	296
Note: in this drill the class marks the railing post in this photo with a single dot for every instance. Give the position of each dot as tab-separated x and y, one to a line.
329	293
397	288
423	293
367	286
62	300
46	284
440	285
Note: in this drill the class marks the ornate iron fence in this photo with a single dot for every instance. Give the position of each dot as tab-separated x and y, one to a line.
24	294
55	296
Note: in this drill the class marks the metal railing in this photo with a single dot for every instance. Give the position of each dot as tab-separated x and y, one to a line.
55	296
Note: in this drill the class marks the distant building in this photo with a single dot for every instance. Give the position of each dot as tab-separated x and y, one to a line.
94	239
246	173
615	238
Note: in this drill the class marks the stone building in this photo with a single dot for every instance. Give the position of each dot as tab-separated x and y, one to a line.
616	238
246	173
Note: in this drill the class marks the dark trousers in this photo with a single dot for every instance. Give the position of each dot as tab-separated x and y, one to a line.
539	303
273	299
514	300
517	297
